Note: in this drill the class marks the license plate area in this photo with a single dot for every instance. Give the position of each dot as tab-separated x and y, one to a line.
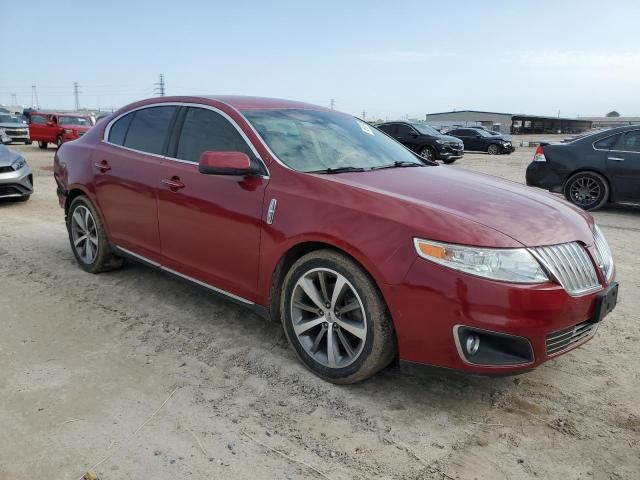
605	303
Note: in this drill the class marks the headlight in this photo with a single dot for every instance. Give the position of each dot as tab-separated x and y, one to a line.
505	264
68	130
18	164
440	142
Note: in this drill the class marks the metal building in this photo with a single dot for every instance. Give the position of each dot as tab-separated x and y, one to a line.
509	123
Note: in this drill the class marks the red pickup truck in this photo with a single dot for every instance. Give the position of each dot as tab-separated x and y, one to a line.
57	128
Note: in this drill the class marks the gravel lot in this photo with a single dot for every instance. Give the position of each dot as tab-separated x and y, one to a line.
88	359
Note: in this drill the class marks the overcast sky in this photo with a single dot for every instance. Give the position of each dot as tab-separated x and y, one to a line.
389	58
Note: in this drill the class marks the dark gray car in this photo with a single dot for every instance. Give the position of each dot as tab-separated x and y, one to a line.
591	170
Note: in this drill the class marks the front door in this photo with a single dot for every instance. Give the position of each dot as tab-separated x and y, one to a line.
210	225
407	135
127	179
623	166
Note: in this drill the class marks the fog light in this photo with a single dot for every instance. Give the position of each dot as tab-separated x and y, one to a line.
472	344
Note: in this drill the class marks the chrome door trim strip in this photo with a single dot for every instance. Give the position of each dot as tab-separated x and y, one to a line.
186	277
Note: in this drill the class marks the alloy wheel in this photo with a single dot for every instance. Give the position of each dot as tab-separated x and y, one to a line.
328	318
585	191
84	234
427	153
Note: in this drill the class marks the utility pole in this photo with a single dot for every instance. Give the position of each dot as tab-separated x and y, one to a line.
160	86
34	97
333	103
14	100
76	94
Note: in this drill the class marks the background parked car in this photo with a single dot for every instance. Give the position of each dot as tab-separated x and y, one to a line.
57	128
482	141
425	140
16	180
591	170
13	129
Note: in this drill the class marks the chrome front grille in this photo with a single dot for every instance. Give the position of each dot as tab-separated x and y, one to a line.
603	253
568	337
570	265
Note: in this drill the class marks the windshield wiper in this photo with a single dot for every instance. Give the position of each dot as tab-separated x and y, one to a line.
339	170
398	164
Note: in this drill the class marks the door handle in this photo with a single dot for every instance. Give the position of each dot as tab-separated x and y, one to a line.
103	166
616	159
173	183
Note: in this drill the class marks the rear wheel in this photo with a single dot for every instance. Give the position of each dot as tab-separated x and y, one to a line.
493	149
42	145
28	142
335	318
587	190
88	238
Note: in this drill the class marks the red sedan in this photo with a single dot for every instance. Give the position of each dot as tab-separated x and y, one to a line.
364	251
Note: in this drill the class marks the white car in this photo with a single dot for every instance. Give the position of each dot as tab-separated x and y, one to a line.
12	129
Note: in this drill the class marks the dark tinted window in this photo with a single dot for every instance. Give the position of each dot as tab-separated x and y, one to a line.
630	141
38	119
607	143
118	131
404	130
204	130
389	129
459	133
149	128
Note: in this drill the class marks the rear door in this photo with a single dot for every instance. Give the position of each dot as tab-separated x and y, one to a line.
127	172
210	225
623	167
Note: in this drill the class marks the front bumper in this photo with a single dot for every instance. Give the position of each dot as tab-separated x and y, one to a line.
449	151
434	302
17	135
16	183
508	148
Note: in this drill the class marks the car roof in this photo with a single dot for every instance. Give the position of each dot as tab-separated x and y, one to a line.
240	102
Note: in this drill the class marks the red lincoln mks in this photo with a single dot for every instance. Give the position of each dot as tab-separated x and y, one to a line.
364	251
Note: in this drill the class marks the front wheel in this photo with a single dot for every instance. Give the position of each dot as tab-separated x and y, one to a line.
42	145
28	142
493	149
428	153
88	238
587	190
335	318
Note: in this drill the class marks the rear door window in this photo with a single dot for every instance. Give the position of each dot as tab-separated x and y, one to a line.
149	128
607	143
205	130
630	142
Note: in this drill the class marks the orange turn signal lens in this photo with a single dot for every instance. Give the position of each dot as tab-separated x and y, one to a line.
435	251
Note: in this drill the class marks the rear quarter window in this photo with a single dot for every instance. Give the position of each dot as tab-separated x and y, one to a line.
607	143
118	131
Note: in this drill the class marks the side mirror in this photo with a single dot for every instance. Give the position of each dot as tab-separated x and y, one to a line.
413	134
224	163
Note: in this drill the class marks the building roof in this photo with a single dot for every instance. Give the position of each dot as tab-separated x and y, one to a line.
611	119
470	111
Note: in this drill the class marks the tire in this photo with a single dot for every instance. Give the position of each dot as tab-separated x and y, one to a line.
59	141
493	149
587	190
99	257
43	145
363	336
428	153
28	142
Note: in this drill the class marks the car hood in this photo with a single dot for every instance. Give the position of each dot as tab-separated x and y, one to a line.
7	156
13	125
527	215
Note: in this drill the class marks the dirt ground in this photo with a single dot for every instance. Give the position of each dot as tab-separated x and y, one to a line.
137	375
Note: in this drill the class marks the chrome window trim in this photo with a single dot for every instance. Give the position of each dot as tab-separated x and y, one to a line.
107	130
186	277
593	144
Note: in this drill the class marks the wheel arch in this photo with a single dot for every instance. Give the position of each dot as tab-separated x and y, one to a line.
297	251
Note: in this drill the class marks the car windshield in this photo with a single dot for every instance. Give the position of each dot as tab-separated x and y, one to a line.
310	140
4	118
426	129
78	121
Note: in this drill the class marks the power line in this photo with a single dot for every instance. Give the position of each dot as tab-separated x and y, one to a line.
160	86
76	94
